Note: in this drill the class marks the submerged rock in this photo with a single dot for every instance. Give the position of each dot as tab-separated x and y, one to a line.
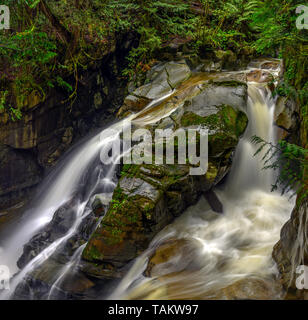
249	289
167	258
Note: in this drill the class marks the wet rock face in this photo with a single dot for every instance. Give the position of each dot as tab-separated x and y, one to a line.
49	127
160	80
163	78
19	174
292	249
62	221
148	197
260	76
38	284
287	119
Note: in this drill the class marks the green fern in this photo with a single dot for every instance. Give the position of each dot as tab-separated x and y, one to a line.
291	161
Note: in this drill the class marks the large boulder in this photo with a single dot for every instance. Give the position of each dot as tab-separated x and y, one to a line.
148	197
166	259
160	81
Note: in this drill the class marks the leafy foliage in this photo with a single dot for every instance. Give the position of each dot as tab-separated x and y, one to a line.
290	160
225	24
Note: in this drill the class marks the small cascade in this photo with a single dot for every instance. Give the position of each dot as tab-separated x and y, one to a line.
76	183
222	249
247	170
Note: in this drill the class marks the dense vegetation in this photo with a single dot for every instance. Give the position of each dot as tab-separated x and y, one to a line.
50	42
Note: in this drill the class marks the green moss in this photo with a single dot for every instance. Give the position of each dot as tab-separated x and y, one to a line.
92	253
241	123
227	120
191	119
130	170
228	83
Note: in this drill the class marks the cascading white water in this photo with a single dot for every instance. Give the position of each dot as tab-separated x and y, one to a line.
229	247
66	269
223	248
62	190
247	169
63	186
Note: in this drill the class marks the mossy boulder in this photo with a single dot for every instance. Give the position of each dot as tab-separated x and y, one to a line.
146	200
149	197
225	127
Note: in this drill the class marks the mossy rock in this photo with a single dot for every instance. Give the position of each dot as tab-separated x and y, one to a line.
148	197
225	127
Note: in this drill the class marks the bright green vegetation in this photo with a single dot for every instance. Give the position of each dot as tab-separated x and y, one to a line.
275	22
292	162
226	120
51	42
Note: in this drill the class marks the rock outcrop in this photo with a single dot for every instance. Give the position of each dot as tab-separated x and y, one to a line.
292	251
19	172
148	197
49	126
287	120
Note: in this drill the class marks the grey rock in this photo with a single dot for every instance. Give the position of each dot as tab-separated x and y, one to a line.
163	78
136	186
214	95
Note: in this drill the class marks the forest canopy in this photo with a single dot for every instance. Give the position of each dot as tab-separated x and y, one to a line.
50	42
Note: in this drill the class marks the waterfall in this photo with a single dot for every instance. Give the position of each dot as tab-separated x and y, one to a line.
64	188
67	184
247	170
226	247
223	249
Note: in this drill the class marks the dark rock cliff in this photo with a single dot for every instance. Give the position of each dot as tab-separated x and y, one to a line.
30	146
